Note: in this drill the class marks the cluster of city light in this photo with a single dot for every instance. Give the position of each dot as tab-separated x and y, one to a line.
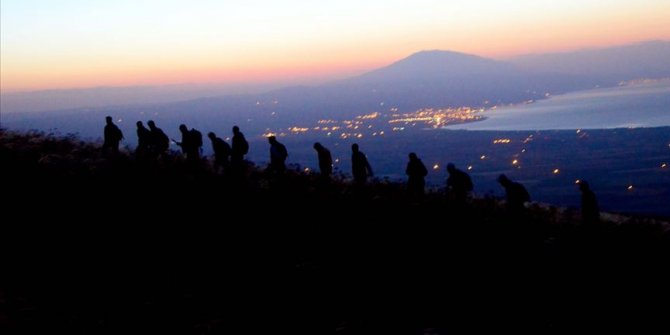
298	129
333	128
437	117
369	116
398	122
351	135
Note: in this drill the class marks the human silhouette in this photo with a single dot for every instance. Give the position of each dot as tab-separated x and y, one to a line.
143	140
191	141
516	194
159	142
325	160
113	136
360	167
590	210
239	148
459	184
416	172
221	153
278	155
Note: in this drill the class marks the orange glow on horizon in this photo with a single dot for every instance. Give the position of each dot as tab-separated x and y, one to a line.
45	47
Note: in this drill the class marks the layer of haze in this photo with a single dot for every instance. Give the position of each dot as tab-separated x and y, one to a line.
86	43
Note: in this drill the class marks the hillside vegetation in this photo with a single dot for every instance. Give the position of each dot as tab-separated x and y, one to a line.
98	244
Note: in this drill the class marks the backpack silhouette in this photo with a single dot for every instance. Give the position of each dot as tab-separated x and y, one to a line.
197	137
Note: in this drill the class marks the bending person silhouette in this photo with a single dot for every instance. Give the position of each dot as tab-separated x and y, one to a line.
239	148
143	140
416	172
191	141
325	160
360	167
459	185
113	136
590	210
515	194
278	155
159	142
221	153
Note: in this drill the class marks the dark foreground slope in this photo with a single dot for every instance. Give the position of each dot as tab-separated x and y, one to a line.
94	245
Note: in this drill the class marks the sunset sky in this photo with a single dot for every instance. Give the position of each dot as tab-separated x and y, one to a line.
49	44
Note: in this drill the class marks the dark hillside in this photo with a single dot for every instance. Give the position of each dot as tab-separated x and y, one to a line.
95	245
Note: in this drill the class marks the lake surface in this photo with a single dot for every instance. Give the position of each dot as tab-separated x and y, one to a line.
639	105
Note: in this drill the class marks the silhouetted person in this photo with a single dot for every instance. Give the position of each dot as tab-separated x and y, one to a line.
590	210
191	141
240	148
278	155
459	184
113	136
515	194
221	153
159	142
325	160
360	167
143	140
416	172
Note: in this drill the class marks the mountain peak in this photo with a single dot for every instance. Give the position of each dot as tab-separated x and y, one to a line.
432	63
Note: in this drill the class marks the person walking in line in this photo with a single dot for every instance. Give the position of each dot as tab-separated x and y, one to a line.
360	167
459	185
143	140
159	143
191	141
416	172
325	160
590	210
113	136
278	155
221	153
239	148
516	195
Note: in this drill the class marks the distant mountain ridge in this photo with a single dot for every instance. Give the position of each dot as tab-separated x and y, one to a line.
646	59
426	79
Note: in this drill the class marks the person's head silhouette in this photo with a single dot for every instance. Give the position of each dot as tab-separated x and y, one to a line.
451	167
503	180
